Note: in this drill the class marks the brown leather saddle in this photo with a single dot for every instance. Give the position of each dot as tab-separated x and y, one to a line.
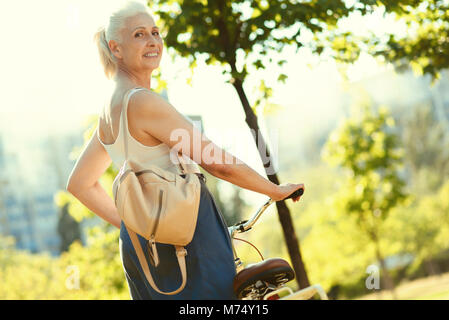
274	271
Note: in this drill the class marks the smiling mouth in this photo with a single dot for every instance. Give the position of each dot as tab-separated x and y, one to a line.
151	55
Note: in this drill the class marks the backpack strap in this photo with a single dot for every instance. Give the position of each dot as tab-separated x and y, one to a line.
181	253
124	118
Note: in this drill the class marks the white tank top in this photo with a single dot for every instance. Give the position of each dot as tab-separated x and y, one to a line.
140	154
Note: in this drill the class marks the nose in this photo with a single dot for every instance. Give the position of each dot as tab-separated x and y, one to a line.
152	40
152	46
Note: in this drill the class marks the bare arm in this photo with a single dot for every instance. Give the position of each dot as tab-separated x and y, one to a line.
240	174
83	181
161	120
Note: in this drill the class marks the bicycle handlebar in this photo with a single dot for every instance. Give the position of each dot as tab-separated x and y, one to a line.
295	194
247	224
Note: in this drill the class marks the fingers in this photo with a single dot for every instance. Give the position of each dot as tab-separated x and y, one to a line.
290	188
301	186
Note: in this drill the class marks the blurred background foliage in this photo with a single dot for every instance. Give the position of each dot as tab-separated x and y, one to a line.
336	244
377	194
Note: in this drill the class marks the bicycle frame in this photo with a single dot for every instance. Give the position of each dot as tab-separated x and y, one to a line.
246	225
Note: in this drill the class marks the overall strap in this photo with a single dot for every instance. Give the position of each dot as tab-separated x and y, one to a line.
124	119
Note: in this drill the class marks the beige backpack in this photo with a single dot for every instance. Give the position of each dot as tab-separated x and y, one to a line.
159	205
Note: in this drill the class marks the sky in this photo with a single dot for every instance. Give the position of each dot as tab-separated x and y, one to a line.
52	79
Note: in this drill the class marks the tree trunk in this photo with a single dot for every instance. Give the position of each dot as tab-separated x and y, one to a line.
283	211
385	278
431	267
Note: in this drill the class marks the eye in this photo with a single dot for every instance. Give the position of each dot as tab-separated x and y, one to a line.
137	34
157	32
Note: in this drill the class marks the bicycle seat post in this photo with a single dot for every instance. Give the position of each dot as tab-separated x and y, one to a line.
238	265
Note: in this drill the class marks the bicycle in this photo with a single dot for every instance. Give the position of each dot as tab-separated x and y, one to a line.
266	280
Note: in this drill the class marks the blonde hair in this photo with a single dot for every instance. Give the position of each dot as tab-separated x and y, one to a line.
112	32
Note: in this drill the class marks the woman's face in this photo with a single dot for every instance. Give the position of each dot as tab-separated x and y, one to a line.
141	45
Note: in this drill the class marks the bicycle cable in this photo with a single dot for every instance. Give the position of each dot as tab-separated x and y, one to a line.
251	245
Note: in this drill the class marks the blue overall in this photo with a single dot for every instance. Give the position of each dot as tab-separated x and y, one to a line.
209	260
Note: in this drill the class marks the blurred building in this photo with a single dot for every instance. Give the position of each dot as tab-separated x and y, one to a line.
32	170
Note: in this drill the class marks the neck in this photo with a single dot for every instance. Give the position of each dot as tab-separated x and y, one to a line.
138	79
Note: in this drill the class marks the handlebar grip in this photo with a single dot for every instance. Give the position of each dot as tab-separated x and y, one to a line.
295	194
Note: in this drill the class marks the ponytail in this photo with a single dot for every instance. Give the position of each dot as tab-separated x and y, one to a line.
107	59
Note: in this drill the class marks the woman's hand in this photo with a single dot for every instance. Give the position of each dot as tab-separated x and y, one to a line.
286	189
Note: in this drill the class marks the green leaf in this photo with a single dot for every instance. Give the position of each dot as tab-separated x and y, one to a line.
282	77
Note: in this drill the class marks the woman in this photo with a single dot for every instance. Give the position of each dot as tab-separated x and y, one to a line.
130	49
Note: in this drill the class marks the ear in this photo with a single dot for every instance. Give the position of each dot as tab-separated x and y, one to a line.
115	49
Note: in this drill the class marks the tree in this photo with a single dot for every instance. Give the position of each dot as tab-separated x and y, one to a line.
68	228
424	47
427	149
421	229
367	147
80	273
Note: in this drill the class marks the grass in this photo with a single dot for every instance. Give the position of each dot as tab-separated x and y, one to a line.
430	288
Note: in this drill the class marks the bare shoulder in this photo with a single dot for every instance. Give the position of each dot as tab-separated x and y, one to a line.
152	114
146	103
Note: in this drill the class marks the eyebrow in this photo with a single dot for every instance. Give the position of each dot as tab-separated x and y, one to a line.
142	27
